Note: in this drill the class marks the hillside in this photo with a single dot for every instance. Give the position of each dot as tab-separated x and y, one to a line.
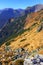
22	38
31	37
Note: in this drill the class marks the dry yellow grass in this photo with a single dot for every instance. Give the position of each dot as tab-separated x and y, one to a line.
33	39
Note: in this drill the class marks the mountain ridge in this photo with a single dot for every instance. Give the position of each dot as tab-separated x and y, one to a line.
8	13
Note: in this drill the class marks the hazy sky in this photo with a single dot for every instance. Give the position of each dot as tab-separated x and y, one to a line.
18	3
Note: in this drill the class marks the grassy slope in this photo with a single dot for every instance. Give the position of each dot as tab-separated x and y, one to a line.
30	39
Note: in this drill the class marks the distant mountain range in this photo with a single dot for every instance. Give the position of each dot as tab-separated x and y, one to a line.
9	13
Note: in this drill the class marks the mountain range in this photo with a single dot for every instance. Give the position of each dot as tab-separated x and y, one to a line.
14	23
9	13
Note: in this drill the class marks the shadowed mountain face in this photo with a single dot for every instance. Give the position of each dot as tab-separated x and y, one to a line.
8	13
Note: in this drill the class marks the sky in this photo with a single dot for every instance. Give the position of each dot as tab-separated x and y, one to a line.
15	4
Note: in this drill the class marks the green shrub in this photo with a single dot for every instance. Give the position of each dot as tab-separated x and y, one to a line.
7	43
41	20
22	40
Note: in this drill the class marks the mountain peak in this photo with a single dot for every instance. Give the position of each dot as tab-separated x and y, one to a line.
38	7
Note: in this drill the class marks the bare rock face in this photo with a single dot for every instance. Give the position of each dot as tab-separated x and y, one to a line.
36	60
38	7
